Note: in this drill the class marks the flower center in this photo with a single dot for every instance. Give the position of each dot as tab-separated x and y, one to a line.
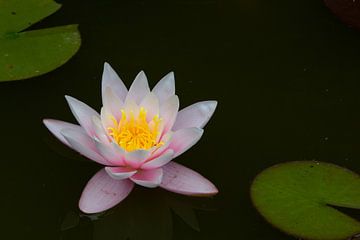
133	133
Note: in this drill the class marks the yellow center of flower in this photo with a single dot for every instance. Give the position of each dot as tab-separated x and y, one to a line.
134	132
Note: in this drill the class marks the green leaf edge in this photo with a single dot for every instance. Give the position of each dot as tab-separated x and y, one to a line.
299	236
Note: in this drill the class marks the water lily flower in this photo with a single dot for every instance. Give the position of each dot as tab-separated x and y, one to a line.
136	135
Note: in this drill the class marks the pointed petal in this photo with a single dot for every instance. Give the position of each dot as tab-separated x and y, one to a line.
159	161
168	112
137	157
166	139
111	152
139	88
165	88
83	144
148	178
120	173
103	192
83	114
56	126
184	139
196	115
182	180
112	103
106	118
151	104
99	130
112	80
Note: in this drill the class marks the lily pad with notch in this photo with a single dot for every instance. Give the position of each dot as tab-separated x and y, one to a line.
25	54
298	198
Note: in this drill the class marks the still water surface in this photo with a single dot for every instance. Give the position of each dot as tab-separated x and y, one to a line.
285	73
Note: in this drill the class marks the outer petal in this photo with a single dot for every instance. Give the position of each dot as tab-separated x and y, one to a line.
112	80
56	126
165	88
160	161
111	152
83	144
120	173
182	180
168	112
184	139
196	115
83	114
138	89
148	178
135	158
151	104
103	192
112	103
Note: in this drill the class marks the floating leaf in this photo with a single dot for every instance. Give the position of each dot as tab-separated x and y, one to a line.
32	53
297	197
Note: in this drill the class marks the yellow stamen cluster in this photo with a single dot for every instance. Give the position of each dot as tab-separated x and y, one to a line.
133	133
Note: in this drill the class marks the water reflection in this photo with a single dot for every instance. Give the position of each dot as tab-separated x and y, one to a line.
145	214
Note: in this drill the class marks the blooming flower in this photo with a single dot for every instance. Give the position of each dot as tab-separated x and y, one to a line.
135	137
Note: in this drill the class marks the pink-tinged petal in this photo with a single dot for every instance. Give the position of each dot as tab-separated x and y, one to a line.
83	114
196	115
112	80
135	158
56	126
120	173
148	178
184	139
111	152
83	144
99	130
168	112
112	103
165	88
182	180
151	104
103	192
166	139
160	161
138	89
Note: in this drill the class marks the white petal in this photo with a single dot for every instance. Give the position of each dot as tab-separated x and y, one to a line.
111	152
196	115
151	104
83	114
56	126
112	80
168	112
83	144
137	157
139	88
148	178
112	103
100	133
165	88
120	173
184	139
160	161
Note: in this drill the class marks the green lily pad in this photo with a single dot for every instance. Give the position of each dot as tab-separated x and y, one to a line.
25	54
297	197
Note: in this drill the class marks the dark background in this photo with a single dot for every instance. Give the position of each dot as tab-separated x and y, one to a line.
286	76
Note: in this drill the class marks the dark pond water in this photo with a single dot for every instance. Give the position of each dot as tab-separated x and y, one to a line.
285	73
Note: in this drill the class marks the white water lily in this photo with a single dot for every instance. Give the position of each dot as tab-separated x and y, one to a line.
136	136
